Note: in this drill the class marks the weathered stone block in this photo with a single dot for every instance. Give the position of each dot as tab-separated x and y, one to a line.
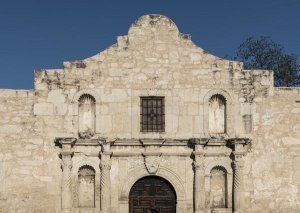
43	109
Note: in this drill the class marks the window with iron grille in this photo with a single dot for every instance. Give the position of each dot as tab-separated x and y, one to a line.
152	114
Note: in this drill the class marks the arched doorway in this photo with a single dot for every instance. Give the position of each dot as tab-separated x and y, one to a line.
152	194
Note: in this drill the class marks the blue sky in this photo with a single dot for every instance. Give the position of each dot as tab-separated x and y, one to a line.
41	34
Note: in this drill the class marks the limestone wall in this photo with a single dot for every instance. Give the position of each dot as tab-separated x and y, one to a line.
27	169
272	170
154	59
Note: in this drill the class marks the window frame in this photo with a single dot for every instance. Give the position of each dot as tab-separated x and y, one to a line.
157	126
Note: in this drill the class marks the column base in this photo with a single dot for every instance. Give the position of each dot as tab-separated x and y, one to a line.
66	210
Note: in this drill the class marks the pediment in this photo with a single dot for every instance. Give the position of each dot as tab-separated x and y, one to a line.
154	55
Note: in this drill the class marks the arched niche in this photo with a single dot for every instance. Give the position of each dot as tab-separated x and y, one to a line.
217	114
218	117
76	110
218	184
83	162
218	187
86	116
86	91
86	187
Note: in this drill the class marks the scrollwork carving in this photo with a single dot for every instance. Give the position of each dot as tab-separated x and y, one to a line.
135	162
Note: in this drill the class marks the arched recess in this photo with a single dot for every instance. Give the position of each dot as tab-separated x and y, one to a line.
218	188
86	91
223	163
217	114
228	115
225	166
76	102
163	172
80	162
86	116
86	187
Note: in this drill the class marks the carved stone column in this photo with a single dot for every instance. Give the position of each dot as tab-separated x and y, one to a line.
238	185
105	166
66	187
238	174
199	179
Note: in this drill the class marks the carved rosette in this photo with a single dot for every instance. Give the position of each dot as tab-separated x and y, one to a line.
152	163
105	183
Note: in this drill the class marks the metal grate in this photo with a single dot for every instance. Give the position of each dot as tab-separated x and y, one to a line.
152	114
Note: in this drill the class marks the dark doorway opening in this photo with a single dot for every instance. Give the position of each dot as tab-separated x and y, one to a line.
152	194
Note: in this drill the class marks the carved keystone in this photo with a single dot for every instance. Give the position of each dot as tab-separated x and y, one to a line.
152	162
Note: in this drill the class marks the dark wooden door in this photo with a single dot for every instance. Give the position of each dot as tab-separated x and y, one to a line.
152	195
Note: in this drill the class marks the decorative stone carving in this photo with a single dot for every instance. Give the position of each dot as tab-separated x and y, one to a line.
66	188
152	161
105	165
238	184
135	162
66	181
238	173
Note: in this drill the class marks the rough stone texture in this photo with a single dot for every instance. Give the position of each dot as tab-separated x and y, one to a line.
154	59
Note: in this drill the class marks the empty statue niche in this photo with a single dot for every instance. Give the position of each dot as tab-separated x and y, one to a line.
87	116
86	187
218	187
217	114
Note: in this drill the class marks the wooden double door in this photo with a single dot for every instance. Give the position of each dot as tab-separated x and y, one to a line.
152	195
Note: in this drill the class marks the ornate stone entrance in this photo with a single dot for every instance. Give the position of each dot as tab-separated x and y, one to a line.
152	194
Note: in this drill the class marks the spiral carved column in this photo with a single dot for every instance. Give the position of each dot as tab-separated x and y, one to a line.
238	184
238	173
66	193
105	166
66	183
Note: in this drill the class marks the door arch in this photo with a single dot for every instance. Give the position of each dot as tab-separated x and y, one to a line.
152	194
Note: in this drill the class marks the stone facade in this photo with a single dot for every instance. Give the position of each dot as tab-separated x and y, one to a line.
230	143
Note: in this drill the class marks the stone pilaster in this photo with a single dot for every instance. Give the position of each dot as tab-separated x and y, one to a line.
105	165
199	190
238	184
199	177
238	174
66	187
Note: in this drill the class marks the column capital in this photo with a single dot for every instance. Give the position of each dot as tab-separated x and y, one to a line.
66	143
239	141
106	143
198	141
